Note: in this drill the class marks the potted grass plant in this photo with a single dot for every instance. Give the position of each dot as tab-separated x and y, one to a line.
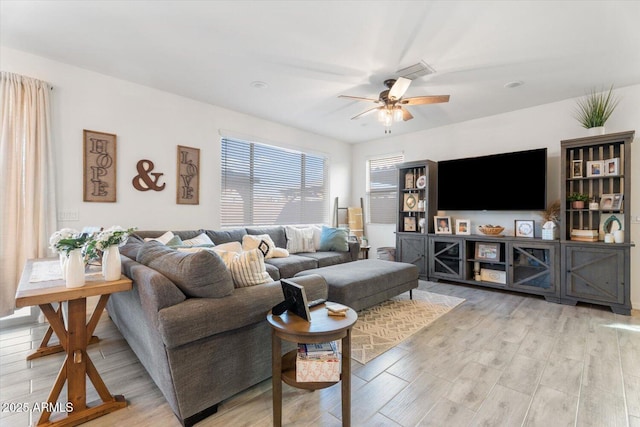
594	110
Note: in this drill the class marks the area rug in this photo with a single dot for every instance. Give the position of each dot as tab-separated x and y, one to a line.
383	326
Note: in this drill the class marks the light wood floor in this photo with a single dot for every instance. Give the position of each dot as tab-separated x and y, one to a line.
499	359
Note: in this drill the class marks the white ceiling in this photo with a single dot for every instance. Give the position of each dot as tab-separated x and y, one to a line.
309	52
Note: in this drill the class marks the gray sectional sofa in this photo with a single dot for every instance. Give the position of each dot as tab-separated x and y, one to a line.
200	351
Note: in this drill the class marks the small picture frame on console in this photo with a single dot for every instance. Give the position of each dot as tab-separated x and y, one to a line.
524	227
576	169
442	224
488	251
463	226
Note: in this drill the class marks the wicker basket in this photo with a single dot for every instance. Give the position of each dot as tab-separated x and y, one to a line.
490	230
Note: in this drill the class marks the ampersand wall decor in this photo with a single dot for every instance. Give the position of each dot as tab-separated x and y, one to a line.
143	181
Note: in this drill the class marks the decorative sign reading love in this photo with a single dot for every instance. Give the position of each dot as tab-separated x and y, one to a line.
147	180
188	188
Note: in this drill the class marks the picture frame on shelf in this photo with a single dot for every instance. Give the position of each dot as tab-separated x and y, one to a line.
611	202
410	202
487	251
442	224
421	182
524	228
576	169
609	224
595	168
409	180
463	226
612	166
410	223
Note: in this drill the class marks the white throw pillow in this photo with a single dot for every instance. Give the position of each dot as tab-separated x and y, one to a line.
230	246
317	233
280	253
201	239
299	239
251	241
248	269
164	239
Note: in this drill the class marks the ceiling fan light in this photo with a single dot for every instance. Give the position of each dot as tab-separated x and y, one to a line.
397	114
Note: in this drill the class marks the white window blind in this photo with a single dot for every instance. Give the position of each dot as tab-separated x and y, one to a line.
382	189
266	185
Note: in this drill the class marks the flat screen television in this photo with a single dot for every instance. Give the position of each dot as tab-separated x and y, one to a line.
515	181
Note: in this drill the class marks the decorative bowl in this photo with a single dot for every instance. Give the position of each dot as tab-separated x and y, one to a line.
490	230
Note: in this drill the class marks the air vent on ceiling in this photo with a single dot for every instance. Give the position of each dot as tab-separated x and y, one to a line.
417	70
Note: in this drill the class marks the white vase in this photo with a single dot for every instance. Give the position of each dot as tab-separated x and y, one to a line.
75	269
111	265
63	264
595	131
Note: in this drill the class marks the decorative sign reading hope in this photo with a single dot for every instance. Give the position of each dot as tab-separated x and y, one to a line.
99	169
147	180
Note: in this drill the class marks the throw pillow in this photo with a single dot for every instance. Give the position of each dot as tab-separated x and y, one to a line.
334	239
248	269
164	239
175	241
280	253
251	241
299	239
317	233
202	274
199	240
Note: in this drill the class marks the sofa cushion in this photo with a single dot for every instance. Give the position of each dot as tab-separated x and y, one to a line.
200	274
276	233
326	259
133	245
299	239
293	264
334	239
226	236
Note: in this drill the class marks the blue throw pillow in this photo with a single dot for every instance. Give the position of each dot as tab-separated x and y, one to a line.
334	239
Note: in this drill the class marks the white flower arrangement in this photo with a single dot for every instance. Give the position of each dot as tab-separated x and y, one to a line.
115	235
66	240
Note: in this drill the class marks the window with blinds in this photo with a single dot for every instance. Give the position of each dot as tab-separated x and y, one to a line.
266	185
382	189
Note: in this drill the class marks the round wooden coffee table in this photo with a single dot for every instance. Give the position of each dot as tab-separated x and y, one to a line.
322	328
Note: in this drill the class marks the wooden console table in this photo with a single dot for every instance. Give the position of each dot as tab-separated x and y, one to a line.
322	328
73	340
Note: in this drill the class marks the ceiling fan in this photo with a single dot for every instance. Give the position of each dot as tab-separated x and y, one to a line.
392	108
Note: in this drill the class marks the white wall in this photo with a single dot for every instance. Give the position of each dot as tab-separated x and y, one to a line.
149	125
537	127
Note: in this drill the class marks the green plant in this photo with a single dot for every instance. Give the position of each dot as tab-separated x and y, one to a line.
578	197
594	110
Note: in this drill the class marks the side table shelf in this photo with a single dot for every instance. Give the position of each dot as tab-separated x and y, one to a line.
321	328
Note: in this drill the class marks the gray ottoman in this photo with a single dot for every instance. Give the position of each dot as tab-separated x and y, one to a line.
364	283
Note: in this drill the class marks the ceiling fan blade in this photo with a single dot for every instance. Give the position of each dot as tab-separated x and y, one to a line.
366	113
359	98
419	100
399	88
406	115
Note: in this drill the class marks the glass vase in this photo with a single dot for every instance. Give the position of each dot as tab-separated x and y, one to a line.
111	265
74	277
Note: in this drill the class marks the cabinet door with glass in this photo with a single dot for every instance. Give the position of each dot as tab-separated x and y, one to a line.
445	258
533	267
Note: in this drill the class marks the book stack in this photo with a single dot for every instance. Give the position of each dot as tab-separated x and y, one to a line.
318	362
584	235
335	309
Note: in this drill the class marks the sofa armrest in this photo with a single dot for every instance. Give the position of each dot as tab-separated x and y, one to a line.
354	250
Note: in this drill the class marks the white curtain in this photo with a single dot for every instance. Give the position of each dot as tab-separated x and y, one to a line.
27	190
